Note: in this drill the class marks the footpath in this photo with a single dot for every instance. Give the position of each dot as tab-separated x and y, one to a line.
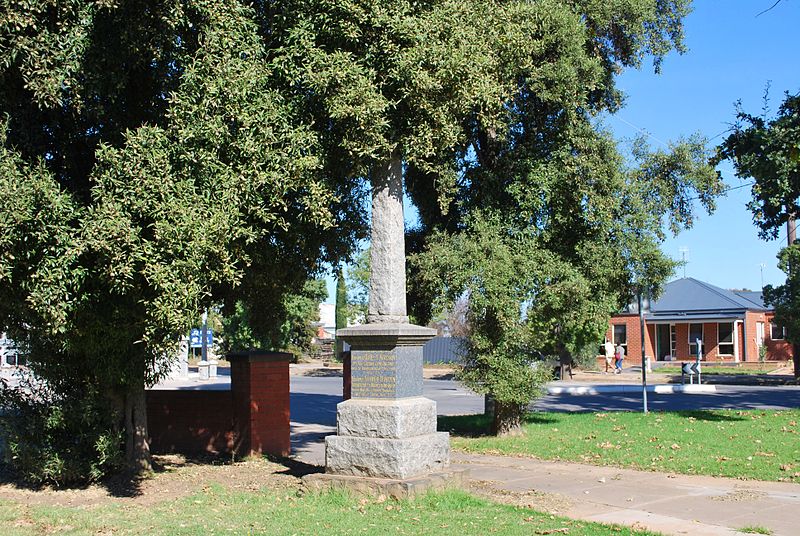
662	502
667	503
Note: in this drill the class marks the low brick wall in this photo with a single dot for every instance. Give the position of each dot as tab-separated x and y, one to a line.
190	422
250	418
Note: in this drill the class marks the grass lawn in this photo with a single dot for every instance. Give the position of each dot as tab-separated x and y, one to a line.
716	370
761	445
218	510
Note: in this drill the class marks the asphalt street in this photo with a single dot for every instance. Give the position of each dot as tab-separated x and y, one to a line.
314	399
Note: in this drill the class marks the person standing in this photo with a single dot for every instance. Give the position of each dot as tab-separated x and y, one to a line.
620	355
608	349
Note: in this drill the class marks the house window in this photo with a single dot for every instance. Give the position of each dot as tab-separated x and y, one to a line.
695	332
621	335
725	338
776	332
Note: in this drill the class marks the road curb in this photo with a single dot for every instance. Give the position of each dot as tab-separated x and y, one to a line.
603	389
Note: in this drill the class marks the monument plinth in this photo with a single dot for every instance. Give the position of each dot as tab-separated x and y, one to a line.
387	430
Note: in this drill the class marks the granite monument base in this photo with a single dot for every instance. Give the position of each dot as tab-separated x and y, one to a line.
394	488
388	429
387	457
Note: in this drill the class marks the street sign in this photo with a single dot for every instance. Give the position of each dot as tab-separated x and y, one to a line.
691	368
196	338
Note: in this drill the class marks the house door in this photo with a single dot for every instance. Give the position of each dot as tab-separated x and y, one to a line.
663	341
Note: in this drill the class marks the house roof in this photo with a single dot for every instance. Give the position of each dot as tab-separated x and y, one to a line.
689	298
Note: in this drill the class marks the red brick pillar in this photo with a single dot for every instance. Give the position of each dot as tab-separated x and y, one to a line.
346	380
260	390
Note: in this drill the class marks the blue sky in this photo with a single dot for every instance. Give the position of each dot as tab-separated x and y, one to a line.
733	54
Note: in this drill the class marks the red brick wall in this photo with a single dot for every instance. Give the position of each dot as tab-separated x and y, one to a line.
710	342
191	422
251	418
682	341
778	350
751	319
260	389
633	335
347	382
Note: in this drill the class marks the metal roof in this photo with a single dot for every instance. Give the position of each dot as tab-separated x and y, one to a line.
689	297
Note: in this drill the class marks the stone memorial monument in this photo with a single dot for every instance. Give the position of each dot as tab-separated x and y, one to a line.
387	430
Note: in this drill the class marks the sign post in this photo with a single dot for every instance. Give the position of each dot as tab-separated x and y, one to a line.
643	302
697	361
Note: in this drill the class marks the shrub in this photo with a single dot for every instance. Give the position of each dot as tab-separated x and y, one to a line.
59	438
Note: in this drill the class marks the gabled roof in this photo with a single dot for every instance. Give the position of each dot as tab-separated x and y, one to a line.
687	299
755	296
690	295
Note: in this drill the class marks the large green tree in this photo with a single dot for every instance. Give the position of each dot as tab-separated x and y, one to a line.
492	108
160	156
768	151
149	167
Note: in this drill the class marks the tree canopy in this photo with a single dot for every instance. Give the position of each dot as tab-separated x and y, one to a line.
157	157
149	166
768	151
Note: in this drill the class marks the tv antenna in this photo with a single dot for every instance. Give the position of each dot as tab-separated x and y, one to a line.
762	265
683	250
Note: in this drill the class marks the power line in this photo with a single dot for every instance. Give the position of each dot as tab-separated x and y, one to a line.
726	190
640	129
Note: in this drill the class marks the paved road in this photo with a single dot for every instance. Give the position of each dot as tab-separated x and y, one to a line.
314	399
725	397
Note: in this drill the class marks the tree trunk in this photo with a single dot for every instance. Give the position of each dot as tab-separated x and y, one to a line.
137	447
507	419
796	360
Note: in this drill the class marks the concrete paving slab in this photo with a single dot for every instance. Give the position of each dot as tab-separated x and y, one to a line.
660	523
673	504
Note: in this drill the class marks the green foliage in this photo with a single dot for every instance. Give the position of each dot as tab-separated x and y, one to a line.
300	312
358	285
522	304
150	167
786	298
58	438
769	152
302	316
755	529
341	300
547	232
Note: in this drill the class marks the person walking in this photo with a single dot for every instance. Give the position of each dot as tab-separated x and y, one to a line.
620	355
608	349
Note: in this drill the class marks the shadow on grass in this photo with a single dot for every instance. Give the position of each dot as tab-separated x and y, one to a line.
710	416
479	425
124	484
323	373
297	468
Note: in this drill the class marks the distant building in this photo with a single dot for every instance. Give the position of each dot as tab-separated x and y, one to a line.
732	325
327	321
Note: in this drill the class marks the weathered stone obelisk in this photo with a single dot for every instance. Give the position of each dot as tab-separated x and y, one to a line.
387	429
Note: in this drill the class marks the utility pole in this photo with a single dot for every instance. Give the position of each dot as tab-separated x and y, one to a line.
643	332
791	235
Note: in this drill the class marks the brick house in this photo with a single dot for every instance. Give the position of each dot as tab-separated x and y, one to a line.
732	325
